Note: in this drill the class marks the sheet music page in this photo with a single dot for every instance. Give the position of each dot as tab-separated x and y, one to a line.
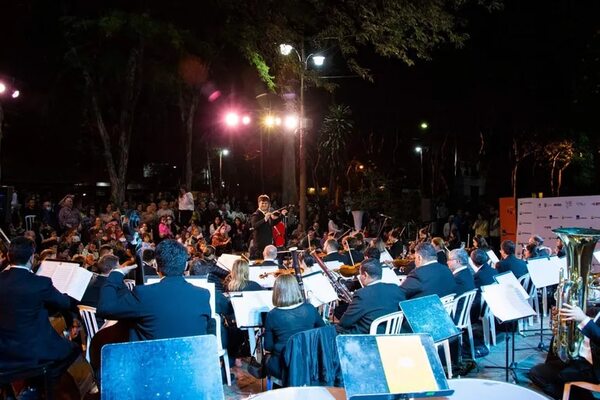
60	275
78	283
47	268
226	261
389	276
248	306
596	256
385	256
268	281
508	278
493	257
506	303
319	290
544	271
332	265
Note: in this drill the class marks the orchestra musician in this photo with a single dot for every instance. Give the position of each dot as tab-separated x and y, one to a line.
396	248
332	248
161	310
262	222
374	300
269	257
310	241
429	276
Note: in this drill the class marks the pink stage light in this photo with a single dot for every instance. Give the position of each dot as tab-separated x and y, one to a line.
232	119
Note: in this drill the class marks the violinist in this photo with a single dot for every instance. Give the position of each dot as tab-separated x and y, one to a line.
441	250
262	222
310	241
396	248
221	240
332	248
350	244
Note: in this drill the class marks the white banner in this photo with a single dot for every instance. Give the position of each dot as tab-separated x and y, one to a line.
540	216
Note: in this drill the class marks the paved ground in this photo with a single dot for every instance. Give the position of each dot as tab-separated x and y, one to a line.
526	355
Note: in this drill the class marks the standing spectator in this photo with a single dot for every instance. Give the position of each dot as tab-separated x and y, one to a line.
49	216
481	226
185	204
68	216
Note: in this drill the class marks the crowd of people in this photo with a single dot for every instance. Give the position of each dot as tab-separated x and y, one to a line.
171	238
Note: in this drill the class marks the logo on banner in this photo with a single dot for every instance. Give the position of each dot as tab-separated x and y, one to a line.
525	213
596	203
541	217
565	217
557	204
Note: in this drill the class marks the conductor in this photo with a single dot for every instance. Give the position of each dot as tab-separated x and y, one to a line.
262	222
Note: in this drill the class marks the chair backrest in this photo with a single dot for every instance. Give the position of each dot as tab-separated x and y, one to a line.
448	302
88	315
525	280
130	283
393	323
465	302
29	221
177	368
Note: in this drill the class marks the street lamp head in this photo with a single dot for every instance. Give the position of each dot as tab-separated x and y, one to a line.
318	60
291	122
225	152
232	119
246	120
269	121
424	125
418	149
2	88
15	94
277	121
285	49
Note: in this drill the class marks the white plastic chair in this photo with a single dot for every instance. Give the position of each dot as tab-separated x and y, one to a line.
448	302
393	323
88	315
130	283
525	281
222	352
326	310
463	319
489	325
29	221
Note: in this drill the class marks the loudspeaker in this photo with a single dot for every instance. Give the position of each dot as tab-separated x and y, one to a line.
6	194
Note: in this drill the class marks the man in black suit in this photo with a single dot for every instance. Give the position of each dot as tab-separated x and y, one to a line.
332	249
168	309
484	275
395	244
458	262
26	336
262	222
270	257
509	262
105	265
429	276
553	374
374	300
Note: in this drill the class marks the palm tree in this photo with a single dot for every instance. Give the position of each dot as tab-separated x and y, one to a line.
333	138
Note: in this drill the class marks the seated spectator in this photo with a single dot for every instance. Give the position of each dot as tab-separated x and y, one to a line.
290	315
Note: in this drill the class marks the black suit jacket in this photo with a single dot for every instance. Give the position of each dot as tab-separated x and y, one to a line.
512	263
262	231
369	303
170	308
91	297
464	281
396	249
26	335
434	278
592	331
343	258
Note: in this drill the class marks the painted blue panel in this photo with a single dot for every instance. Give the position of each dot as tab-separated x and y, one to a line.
427	315
179	368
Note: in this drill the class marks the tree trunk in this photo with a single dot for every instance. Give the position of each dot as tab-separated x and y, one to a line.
188	112
552	175
559	182
1	137
514	179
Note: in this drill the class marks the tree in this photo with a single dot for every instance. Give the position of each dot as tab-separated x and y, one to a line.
110	53
333	136
521	150
559	155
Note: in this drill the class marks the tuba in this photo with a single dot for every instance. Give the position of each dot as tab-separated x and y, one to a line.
573	287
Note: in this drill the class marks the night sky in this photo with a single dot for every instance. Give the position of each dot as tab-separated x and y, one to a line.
529	70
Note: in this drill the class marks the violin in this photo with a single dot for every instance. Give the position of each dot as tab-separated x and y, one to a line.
348	271
279	272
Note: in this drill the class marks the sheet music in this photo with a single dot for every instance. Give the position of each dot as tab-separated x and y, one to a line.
66	277
544	271
385	256
561	261
319	290
198	282
226	261
508	278
493	257
248	306
596	255
506	303
268	281
389	276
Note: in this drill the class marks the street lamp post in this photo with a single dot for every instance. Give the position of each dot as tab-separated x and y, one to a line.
419	150
222	152
318	60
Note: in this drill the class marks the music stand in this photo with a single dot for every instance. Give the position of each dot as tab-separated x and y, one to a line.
508	306
428	315
177	368
543	272
391	367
